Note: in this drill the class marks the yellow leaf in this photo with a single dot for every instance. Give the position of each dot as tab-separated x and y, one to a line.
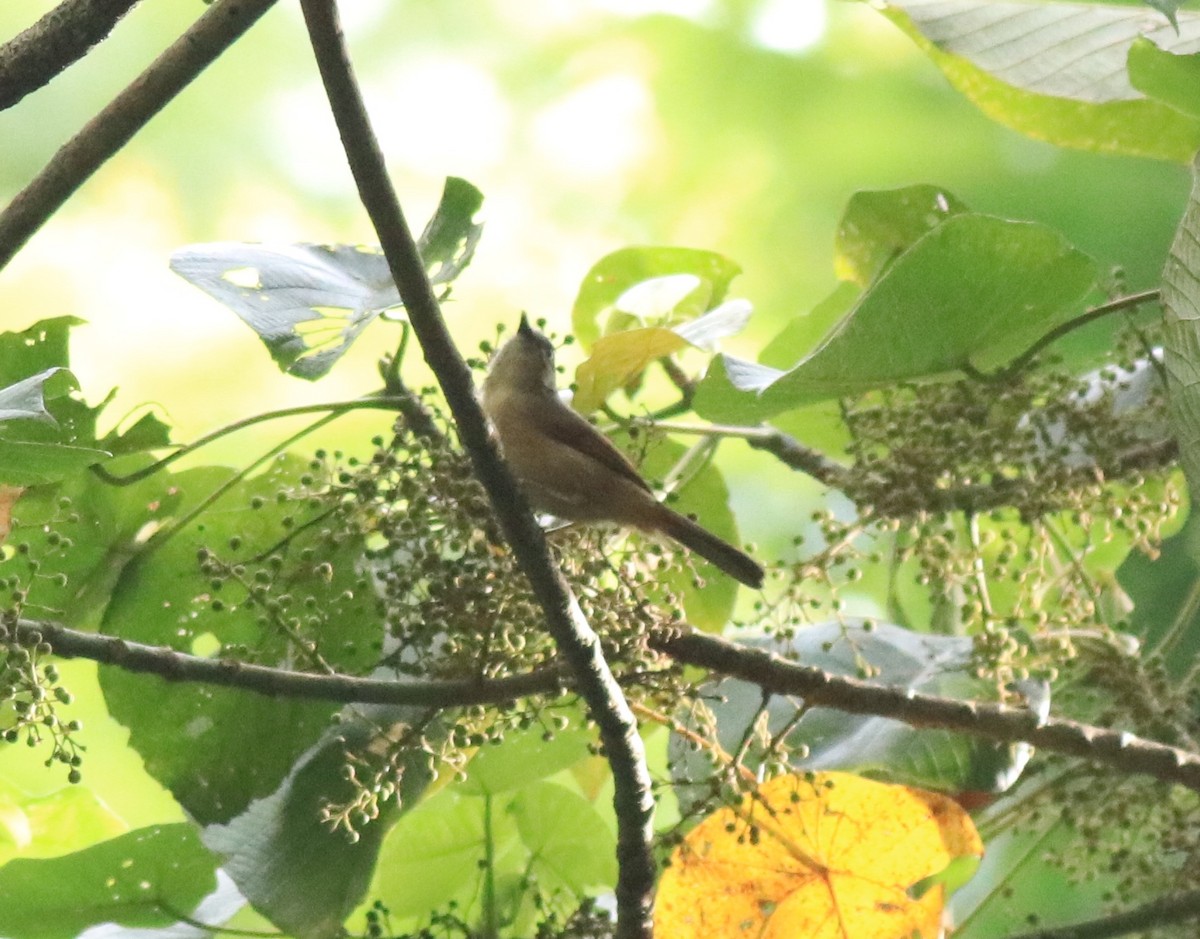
823	856
617	359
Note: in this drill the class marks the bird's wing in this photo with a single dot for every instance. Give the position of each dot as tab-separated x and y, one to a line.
572	430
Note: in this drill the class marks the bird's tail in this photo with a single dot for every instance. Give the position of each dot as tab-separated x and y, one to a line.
734	562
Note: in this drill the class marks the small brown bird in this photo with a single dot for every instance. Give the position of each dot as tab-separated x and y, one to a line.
568	468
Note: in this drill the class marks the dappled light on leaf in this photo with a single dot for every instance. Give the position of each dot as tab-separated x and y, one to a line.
824	856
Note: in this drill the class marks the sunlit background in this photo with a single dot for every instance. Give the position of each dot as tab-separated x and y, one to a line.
740	126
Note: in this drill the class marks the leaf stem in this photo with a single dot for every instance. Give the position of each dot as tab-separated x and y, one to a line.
1022	361
338	407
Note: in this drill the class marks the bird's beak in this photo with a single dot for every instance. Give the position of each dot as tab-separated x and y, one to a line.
525	329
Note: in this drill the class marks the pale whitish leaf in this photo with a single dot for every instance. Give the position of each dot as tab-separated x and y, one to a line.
1181	336
1062	49
706	331
26	399
309	302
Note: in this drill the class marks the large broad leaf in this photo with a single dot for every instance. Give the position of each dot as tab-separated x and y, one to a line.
523	758
1057	70
297	599
54	824
877	746
303	874
543	831
705	497
648	286
82	532
1171	79
145	878
309	302
878	227
1163	590
1181	333
974	291
822	855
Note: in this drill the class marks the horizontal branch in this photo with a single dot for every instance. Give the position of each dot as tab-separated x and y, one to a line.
171	665
1117	749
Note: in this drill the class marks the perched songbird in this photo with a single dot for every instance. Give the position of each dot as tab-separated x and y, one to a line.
568	468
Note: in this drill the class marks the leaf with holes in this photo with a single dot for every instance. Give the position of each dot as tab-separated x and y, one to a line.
309	302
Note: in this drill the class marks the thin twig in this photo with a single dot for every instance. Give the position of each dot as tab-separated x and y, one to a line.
214	31
1022	361
576	641
391	402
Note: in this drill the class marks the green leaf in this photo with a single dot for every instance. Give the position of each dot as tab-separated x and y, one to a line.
432	856
878	227
689	281
82	532
1181	333
1163	589
974	291
572	846
523	758
448	242
1172	79
148	432
194	739
53	824
1055	70
142	879
705	497
876	746
300	872
308	302
24	463
41	347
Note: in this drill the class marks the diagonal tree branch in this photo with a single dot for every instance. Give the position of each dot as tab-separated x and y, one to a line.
60	38
213	32
577	642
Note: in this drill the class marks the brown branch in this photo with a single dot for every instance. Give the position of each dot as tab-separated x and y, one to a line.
1165	911
104	135
55	42
1121	751
174	666
576	641
1113	748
